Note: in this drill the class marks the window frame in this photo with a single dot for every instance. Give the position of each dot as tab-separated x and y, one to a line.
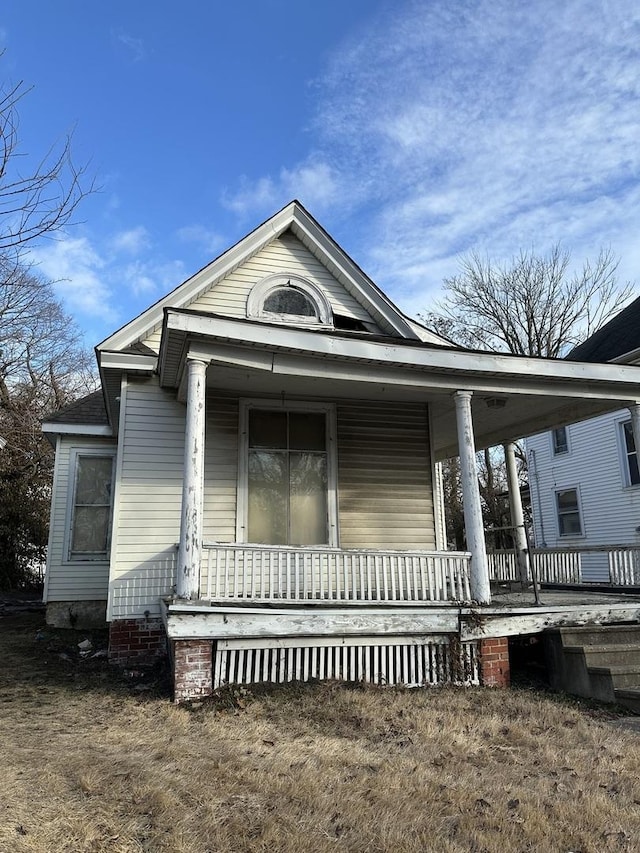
260	292
558	451
624	454
242	502
557	493
75	455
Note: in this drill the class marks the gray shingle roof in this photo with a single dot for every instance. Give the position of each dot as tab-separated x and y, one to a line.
87	410
617	337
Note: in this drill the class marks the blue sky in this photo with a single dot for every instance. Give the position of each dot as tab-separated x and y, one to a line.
414	131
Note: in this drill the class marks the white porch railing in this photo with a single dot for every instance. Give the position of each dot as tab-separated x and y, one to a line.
266	572
614	564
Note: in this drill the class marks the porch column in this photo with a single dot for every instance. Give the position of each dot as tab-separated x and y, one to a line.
517	515
189	550
473	524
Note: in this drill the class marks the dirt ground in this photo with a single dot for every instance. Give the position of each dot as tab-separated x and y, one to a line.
94	759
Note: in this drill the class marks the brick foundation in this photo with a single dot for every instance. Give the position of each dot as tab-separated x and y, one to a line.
192	669
136	641
494	662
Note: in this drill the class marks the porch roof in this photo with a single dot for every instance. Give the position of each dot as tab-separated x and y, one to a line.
514	396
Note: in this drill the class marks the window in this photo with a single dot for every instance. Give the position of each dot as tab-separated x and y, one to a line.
288	499
560	440
288	298
91	508
631	472
569	523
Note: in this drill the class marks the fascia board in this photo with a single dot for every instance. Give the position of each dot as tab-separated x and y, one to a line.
389	354
128	361
206	277
77	429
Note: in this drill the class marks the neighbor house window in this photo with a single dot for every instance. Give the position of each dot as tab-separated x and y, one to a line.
560	440
569	523
632	474
287	483
91	509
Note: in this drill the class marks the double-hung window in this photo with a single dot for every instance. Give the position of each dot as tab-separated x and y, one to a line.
560	441
287	482
631	472
89	534
568	507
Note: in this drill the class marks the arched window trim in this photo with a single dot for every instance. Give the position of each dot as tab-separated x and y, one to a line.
264	288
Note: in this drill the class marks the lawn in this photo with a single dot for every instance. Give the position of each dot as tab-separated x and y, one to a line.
96	761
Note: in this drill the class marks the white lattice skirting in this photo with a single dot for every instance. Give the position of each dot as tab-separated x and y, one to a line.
398	661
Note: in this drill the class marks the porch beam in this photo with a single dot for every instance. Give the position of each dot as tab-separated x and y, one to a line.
190	547
517	515
473	523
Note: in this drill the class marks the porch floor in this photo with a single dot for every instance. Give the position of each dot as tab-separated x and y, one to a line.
510	614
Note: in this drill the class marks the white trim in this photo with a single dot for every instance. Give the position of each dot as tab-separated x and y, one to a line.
127	361
115	527
77	429
566	536
437	493
623	457
74	454
527	373
266	286
552	433
266	403
52	509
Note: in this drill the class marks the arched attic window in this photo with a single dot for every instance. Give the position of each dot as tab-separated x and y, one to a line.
286	298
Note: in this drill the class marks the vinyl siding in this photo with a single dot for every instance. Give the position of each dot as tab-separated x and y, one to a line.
221	470
385	497
149	496
594	466
67	580
285	254
148	500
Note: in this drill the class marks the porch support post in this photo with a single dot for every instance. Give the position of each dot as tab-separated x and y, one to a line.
190	547
473	524
517	515
634	409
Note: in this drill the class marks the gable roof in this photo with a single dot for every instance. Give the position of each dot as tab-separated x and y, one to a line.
617	338
298	220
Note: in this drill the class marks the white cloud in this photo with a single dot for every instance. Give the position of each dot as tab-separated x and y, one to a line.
209	240
76	269
481	124
134	46
315	183
132	241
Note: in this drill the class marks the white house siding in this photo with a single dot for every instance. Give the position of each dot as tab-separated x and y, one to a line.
285	254
385	497
67	580
594	466
148	500
221	470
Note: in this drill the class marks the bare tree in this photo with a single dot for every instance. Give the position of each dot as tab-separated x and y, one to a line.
535	305
39	200
43	366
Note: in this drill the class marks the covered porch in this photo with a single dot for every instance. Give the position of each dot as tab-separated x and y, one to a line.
242	609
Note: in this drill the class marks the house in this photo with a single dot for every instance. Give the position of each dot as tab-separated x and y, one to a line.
255	480
585	481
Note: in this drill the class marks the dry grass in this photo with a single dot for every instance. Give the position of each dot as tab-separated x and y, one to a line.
90	765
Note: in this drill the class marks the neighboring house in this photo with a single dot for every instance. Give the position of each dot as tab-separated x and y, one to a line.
255	478
584	477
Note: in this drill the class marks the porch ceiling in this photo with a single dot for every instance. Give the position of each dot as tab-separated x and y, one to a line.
513	396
